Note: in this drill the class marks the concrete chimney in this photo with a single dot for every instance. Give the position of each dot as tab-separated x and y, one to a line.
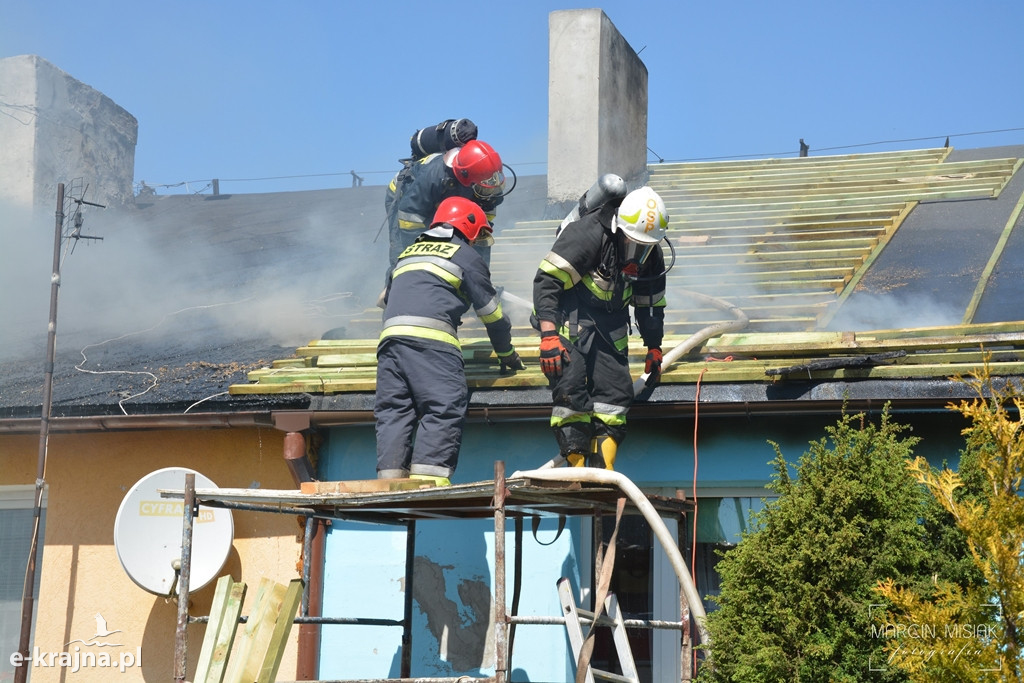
597	104
56	130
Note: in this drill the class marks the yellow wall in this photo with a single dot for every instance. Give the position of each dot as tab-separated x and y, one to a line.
88	475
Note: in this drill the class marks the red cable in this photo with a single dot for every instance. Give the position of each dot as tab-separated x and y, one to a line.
693	548
696	413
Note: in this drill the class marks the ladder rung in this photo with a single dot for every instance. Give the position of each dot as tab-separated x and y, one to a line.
609	676
574	618
588	617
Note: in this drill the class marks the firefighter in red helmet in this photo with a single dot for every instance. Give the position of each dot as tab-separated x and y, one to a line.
421	398
473	170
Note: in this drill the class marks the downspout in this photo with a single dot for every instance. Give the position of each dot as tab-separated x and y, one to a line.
308	664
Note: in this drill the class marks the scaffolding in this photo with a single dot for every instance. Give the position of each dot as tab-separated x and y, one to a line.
517	497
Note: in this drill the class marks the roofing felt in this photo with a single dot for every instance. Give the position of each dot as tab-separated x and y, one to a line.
796	243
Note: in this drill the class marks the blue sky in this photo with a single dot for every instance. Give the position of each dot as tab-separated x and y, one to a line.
316	89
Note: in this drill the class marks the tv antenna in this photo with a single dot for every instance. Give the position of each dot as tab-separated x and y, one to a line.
74	200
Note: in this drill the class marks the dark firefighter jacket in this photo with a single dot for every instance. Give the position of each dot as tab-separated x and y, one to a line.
415	193
435	281
579	285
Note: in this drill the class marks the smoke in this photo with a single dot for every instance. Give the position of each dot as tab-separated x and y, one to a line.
868	311
171	279
25	268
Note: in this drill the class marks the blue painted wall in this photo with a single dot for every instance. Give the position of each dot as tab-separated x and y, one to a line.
365	564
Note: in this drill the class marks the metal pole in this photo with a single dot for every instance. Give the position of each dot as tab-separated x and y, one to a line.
410	571
28	593
185	571
500	610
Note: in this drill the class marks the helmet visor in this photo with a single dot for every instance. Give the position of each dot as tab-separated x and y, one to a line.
485	238
636	252
489	187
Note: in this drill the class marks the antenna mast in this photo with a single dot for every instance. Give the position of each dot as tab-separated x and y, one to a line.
61	233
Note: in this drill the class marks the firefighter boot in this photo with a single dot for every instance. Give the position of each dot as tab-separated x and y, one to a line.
604	448
576	459
431	479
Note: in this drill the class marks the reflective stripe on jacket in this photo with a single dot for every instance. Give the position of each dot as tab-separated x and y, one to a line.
434	283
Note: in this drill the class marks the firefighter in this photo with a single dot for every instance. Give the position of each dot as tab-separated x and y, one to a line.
598	266
421	400
473	170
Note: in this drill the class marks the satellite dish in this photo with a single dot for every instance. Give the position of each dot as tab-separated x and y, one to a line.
147	533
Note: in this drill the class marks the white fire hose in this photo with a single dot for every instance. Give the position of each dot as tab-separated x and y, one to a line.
549	472
701	336
633	492
681	349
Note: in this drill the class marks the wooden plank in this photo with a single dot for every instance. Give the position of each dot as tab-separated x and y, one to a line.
363	485
221	592
247	660
268	600
225	637
279	636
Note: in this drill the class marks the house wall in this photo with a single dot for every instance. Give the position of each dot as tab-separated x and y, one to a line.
88	475
454	576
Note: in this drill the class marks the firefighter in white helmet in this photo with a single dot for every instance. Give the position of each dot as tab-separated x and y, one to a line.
600	265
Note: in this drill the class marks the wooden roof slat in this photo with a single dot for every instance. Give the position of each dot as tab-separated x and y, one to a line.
785	240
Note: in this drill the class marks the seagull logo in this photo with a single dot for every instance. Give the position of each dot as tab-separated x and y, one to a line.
101	632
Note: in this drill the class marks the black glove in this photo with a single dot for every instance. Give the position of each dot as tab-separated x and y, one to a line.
511	363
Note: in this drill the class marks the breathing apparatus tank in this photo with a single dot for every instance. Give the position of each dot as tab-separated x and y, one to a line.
608	187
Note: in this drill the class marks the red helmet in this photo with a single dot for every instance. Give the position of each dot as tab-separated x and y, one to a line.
476	162
467	217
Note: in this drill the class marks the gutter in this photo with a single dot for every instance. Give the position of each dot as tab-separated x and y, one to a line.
671	401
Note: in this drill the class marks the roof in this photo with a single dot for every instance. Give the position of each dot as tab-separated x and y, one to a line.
870	275
826	258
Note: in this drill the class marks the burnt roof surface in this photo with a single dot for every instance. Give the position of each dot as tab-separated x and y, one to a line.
931	268
209	303
186	294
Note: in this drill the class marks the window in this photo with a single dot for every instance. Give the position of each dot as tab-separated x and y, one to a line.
721	523
16	503
646	585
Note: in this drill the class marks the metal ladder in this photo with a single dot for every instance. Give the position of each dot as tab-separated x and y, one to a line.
573	620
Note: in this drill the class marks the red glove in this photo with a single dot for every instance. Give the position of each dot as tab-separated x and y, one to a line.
652	366
552	354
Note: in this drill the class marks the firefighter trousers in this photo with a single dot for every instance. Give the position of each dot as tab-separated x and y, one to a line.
420	409
593	395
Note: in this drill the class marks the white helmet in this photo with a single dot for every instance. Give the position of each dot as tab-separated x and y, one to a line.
644	222
642	216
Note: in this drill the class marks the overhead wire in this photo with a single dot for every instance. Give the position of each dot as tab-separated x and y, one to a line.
660	159
837	147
